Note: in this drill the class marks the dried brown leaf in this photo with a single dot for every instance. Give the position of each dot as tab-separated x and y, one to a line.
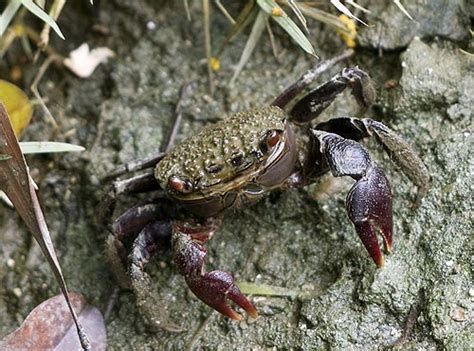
17	184
50	326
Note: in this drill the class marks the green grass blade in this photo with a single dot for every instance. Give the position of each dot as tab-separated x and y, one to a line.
341	7
42	147
8	14
243	19
265	289
402	8
257	30
37	11
288	25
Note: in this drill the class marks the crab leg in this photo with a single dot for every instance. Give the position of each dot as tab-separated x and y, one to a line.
316	101
213	288
153	237
149	223
306	79
369	202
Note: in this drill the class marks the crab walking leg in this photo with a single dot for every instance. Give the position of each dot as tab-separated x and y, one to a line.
306	79
317	100
128	225
133	220
137	184
369	202
213	288
398	149
154	237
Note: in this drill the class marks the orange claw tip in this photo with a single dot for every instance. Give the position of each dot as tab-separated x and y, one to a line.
379	261
253	313
250	309
234	315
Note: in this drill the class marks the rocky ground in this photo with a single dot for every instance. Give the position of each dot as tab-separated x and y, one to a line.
422	298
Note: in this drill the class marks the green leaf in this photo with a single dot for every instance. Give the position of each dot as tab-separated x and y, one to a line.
41	147
287	24
265	289
8	14
37	11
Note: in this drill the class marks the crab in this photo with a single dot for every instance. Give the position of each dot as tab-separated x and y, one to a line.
240	159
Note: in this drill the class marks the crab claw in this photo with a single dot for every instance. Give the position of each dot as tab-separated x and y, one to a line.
369	205
214	288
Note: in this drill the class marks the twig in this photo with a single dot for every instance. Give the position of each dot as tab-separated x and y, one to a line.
224	11
54	12
34	88
207	42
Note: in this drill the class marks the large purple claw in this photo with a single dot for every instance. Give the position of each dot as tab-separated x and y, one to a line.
214	288
369	205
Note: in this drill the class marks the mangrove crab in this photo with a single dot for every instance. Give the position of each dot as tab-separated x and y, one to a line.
237	161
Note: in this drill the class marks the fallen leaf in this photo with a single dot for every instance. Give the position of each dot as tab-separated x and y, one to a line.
17	184
83	61
17	104
50	327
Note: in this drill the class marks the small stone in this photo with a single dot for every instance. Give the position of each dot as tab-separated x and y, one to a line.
10	263
17	292
150	25
458	314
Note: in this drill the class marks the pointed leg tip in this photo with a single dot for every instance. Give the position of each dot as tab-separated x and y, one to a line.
252	312
234	315
248	307
379	261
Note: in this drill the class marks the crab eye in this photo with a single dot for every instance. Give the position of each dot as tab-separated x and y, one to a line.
180	184
273	137
270	140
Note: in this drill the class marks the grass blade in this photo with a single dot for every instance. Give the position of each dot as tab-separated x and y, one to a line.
42	147
299	15
8	14
270	7
265	289
257	30
402	8
243	19
341	7
37	11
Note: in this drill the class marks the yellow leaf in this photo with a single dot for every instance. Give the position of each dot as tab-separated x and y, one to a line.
350	35
215	63
17	104
277	11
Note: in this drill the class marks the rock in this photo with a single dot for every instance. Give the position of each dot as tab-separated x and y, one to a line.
391	29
